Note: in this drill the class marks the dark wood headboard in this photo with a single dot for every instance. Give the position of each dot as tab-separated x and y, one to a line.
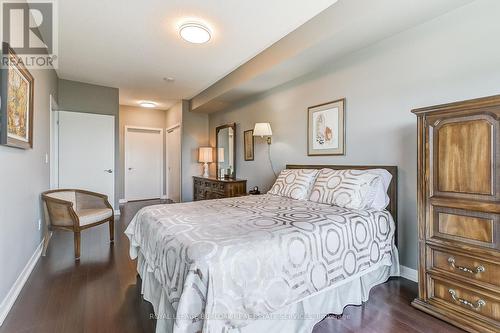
393	187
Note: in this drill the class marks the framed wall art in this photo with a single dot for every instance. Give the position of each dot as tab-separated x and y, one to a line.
248	142
326	129
16	116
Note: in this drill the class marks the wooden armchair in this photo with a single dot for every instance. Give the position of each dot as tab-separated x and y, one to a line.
76	210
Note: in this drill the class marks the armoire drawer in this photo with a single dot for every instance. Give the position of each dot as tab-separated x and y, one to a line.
470	267
466	298
468	227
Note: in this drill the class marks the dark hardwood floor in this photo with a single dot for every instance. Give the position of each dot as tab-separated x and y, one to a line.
101	293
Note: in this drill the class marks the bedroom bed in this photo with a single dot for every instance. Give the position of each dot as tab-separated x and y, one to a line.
261	263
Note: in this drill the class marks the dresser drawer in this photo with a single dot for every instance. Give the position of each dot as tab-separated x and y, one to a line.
473	269
465	298
469	227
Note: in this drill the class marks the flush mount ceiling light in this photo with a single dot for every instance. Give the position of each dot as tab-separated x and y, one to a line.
195	33
147	104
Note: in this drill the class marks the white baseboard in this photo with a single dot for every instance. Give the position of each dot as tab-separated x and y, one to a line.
408	273
14	291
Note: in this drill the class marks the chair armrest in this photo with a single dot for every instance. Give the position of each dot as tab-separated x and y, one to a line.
91	200
61	212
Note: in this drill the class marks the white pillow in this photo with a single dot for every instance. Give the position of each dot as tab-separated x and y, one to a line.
354	189
294	183
381	199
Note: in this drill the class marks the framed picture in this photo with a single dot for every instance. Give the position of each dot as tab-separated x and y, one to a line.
326	129
16	117
248	145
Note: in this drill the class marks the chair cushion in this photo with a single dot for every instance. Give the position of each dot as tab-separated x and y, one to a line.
89	216
64	195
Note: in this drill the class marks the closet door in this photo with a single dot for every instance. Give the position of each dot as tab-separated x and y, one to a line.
87	152
143	163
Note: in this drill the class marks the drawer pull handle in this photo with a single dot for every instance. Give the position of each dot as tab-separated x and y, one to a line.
476	270
479	304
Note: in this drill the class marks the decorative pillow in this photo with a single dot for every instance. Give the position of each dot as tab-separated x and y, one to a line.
294	183
354	189
381	200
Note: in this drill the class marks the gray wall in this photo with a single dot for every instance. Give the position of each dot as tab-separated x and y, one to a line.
140	117
24	175
194	134
89	98
447	59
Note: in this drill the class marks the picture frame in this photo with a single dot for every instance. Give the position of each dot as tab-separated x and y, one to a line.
248	145
326	129
17	93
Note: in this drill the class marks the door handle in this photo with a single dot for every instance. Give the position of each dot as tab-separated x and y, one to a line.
108	171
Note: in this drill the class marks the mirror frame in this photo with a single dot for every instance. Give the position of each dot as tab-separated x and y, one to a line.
217	130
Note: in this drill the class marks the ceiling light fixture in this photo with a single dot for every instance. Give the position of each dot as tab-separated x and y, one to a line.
147	104
195	33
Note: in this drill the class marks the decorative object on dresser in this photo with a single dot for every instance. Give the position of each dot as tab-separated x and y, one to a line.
205	157
16	110
459	213
225	142
217	188
248	143
326	128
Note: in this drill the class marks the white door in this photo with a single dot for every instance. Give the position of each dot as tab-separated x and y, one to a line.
143	163
174	163
87	152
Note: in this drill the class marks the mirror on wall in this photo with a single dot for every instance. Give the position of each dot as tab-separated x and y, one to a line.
226	150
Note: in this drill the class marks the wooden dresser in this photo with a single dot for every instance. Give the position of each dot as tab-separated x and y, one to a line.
459	213
216	188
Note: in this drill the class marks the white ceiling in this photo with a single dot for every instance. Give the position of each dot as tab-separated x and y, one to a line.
346	27
132	45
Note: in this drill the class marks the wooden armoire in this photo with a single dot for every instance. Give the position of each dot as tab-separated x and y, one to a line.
459	213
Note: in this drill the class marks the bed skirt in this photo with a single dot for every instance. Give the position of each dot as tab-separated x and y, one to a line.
299	317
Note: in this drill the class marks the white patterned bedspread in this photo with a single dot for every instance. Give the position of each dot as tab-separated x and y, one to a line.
236	259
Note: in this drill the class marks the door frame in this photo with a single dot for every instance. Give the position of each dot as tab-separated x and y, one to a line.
171	128
125	166
54	143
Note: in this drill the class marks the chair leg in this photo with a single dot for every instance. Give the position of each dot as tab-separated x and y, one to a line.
77	245
112	229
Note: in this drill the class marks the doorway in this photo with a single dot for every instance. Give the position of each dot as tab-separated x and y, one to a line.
143	163
173	158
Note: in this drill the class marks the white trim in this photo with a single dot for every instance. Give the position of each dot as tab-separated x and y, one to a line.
162	166
171	128
408	273
122	201
54	143
117	212
16	288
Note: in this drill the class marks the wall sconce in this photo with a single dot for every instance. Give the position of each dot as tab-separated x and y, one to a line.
205	157
262	130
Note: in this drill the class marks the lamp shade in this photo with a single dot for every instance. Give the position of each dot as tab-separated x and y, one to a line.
220	155
205	155
262	129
